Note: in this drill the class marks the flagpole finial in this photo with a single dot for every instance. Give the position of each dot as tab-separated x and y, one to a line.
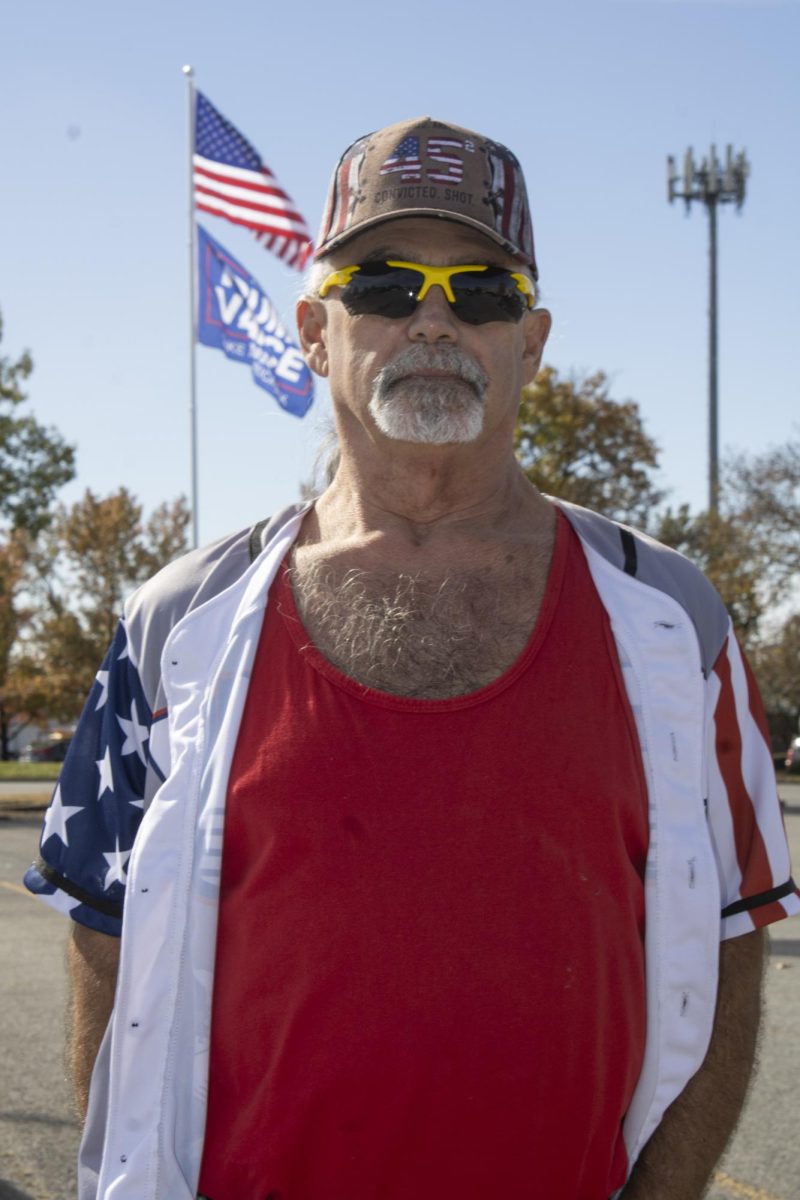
187	70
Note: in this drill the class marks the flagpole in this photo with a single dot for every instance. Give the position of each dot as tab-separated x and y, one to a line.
189	73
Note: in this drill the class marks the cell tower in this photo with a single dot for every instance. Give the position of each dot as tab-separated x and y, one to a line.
712	183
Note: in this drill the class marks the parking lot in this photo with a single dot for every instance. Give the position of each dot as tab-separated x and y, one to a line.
39	1135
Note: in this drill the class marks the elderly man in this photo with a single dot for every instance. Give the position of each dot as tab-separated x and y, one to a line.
383	936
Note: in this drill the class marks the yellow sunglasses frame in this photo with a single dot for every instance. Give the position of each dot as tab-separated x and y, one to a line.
431	277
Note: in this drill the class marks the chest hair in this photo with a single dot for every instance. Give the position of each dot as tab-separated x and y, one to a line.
417	634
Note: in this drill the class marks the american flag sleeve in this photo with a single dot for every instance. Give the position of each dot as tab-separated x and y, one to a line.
98	801
743	807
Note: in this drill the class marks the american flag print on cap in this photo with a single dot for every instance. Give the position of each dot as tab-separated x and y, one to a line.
429	168
507	196
405	159
344	193
449	166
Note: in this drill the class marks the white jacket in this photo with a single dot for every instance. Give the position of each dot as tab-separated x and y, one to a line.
192	634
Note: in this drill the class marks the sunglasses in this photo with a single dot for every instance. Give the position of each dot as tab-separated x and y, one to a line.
477	294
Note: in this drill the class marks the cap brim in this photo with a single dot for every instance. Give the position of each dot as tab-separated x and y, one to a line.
443	214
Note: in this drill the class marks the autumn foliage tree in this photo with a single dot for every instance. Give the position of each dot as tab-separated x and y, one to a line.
64	572
750	548
762	494
718	544
573	441
776	661
35	462
92	556
577	443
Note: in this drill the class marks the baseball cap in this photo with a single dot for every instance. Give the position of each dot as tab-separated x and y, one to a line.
429	168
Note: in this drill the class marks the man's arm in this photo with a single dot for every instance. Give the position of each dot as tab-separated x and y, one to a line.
92	959
677	1162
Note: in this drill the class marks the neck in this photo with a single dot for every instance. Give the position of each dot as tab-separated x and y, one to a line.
429	494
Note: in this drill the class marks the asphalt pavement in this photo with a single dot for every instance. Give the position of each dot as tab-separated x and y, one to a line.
39	1133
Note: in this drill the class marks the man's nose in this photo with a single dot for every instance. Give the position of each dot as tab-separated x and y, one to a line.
433	319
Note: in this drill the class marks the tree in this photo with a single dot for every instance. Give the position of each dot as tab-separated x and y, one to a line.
79	573
13	560
750	548
34	461
762	493
719	545
775	663
574	442
98	550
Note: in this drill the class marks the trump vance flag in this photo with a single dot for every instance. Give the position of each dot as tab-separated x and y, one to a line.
231	181
235	315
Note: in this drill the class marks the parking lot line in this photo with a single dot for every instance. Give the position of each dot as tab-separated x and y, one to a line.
742	1189
16	887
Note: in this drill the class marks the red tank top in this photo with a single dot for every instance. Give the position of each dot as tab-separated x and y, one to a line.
430	967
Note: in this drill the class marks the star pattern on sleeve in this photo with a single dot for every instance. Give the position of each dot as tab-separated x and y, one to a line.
136	734
102	679
125	649
99	799
106	783
56	817
116	860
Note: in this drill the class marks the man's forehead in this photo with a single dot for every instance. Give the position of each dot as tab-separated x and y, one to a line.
431	240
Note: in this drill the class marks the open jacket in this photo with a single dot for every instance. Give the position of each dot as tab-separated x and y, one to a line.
160	728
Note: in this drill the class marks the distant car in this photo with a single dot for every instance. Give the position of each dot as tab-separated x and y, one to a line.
49	749
792	762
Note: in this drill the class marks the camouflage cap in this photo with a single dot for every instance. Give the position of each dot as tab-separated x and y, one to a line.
429	168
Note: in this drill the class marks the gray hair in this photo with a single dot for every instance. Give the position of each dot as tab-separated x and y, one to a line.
313	278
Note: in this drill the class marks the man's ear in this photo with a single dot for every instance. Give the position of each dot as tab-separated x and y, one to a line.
312	316
537	328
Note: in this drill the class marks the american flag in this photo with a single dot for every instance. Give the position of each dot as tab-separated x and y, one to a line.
231	181
405	159
443	151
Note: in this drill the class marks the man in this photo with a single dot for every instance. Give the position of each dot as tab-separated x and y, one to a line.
383	935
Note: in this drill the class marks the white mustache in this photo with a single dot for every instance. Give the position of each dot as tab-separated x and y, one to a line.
448	359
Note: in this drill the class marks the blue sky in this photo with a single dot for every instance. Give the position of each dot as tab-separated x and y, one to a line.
591	97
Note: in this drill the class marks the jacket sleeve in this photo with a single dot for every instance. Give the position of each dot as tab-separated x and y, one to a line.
98	801
743	806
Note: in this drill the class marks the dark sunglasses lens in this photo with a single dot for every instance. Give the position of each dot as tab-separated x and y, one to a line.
381	291
487	296
481	296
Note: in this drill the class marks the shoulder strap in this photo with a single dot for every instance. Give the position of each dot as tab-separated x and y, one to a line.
256	543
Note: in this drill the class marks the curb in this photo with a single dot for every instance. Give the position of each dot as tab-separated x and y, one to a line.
24	802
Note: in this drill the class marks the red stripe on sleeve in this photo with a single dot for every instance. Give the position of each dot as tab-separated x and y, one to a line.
767	914
751	853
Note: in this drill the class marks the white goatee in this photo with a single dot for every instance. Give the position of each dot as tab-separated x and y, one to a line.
409	407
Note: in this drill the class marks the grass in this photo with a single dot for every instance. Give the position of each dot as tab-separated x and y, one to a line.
15	771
